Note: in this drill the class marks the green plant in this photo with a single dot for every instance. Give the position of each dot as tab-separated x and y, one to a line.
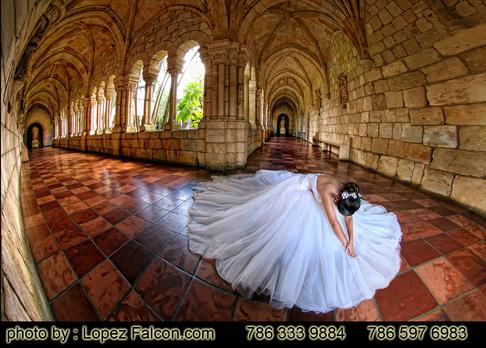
189	108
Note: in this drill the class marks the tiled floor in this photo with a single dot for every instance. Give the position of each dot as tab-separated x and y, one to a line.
110	241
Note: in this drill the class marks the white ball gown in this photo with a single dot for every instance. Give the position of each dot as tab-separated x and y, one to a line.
270	234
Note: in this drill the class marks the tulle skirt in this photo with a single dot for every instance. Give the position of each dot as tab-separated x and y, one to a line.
269	234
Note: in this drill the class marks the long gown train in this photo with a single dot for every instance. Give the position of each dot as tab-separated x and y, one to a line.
270	234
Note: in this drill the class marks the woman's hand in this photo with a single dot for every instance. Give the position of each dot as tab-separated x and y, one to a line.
350	249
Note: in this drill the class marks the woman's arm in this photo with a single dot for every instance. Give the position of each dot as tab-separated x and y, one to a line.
349	226
328	204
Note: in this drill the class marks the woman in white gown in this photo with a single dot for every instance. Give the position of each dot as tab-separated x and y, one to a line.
283	235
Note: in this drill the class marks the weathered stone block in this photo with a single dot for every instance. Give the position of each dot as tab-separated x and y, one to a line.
372	160
416	152
474	114
472	138
387	165
405	169
441	136
394	99
379	101
422	58
397	131
415	97
380	146
470	191
394	68
464	90
386	130
407	80
437	181
475	59
418	173
445	70
470	163
372	129
428	116
462	40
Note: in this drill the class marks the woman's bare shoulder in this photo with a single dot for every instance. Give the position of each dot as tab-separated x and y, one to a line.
327	184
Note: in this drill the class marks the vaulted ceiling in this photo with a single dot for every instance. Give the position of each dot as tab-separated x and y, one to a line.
288	43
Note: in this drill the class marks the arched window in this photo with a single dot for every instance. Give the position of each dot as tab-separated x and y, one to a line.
190	90
161	94
139	98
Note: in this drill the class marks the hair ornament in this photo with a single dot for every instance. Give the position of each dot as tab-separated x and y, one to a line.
346	195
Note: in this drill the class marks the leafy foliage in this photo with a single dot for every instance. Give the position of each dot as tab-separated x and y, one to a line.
189	108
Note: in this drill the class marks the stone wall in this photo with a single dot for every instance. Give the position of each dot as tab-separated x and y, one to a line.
417	112
22	294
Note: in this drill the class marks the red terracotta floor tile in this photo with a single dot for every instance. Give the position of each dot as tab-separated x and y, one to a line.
443	243
96	226
419	229
73	305
84	257
71	237
132	226
463	237
150	198
471	307
133	309
479	249
116	215
207	272
62	224
173	222
247	310
106	287
83	216
49	206
296	314
132	259
56	274
111	240
443	279
418	251
405	298
163	286
468	224
153	238
176	251
54	214
469	265
152	213
168	203
444	224
205	303
74	207
365	311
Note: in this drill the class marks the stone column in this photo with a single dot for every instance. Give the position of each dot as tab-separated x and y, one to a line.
93	126
110	94
242	61
87	114
206	60
226	133
147	121
69	116
131	118
174	67
120	121
100	109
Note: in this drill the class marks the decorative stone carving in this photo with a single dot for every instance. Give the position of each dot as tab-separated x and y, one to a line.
343	90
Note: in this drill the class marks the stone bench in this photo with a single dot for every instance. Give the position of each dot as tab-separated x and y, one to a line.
342	147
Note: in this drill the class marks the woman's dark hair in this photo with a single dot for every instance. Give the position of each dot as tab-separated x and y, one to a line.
348	201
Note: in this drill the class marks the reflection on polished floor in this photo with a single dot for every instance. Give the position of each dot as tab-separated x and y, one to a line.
109	239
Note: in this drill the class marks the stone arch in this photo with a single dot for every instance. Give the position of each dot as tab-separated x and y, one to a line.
38	114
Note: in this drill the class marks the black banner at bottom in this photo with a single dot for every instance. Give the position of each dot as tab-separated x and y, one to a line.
240	333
